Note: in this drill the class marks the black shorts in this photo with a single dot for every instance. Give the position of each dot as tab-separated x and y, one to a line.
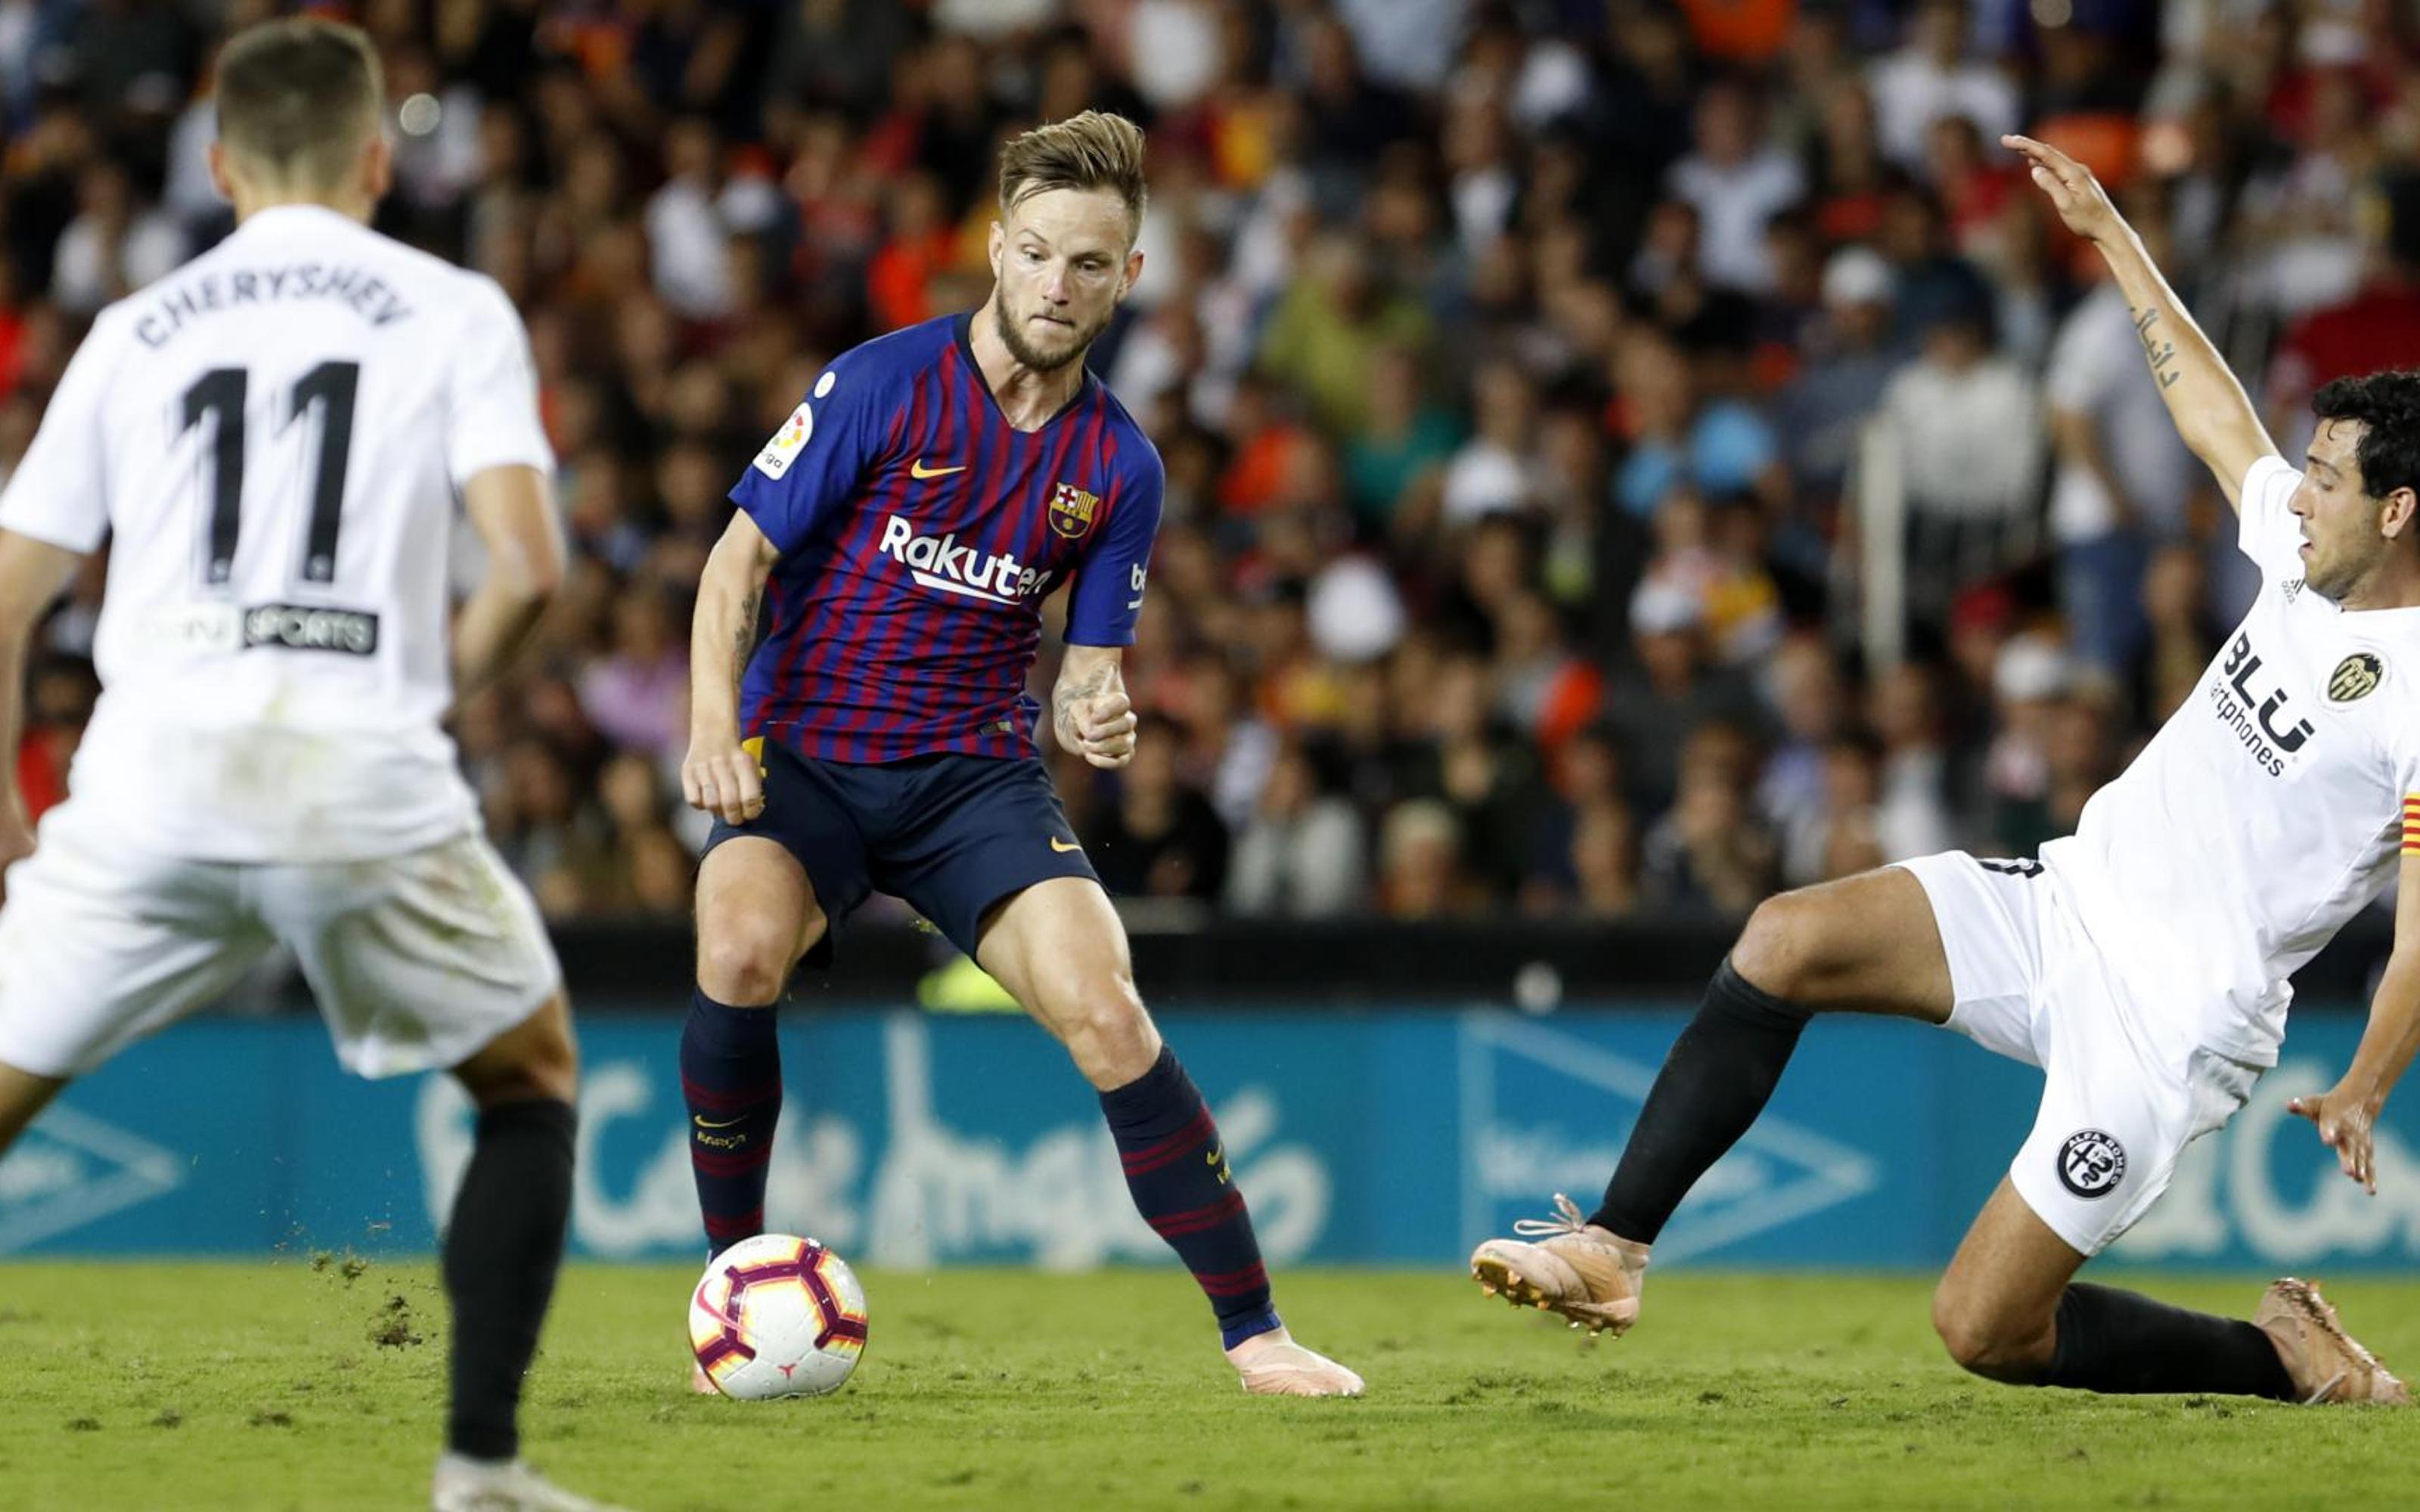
950	834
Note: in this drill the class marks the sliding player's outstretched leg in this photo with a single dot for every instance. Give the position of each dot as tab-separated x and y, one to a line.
1867	943
757	915
1059	948
2009	1311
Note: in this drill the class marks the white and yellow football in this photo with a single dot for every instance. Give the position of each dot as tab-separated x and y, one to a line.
777	1316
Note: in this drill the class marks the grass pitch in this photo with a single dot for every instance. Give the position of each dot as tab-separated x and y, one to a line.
302	1384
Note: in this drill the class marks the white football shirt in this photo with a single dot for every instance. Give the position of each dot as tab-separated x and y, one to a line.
2268	809
274	433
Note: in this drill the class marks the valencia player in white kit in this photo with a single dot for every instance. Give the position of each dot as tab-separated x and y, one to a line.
274	437
2143	961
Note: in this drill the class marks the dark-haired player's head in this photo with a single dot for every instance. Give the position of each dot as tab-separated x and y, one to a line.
2360	498
300	105
1071	204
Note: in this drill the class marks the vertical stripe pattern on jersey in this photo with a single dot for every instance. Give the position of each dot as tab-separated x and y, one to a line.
876	658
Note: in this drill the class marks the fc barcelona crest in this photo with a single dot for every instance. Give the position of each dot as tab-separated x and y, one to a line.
2355	677
1071	511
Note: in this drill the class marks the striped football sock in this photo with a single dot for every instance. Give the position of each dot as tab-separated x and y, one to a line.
1177	1171
731	1077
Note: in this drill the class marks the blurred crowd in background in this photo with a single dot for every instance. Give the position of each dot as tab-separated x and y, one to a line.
1519	367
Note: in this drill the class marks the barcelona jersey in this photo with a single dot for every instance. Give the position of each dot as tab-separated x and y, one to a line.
918	535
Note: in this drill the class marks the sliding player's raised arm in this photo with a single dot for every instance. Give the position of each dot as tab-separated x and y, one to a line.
2211	409
2346	1114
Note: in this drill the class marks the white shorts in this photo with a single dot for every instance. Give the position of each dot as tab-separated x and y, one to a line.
417	960
2117	1109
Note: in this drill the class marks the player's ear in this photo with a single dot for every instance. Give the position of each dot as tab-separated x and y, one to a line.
1134	271
377	166
2396	511
999	239
222	177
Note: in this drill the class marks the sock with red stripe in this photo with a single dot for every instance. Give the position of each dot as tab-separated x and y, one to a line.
731	1076
1177	1171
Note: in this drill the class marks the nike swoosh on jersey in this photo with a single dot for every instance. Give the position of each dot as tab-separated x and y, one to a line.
704	1122
919	471
1061	847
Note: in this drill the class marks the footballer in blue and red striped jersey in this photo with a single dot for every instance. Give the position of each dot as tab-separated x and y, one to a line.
919	532
933	487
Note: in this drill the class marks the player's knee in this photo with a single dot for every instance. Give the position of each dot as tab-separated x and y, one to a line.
22	1094
537	1059
1987	1341
1108	1031
552	1069
1112	1011
745	958
1779	949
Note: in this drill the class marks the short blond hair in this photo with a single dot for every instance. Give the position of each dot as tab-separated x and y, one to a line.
299	97
1094	150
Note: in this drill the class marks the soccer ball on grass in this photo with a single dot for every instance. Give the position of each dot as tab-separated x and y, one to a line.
777	1316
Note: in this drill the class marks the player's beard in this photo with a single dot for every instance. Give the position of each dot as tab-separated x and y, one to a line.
1011	335
2331	578
2321	581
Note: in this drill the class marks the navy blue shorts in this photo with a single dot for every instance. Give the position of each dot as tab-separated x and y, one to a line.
950	835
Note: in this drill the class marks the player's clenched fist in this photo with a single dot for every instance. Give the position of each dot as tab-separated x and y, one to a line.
1104	729
719	776
2074	191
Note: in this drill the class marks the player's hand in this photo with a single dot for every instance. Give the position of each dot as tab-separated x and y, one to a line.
16	837
2346	1120
2078	197
719	776
1104	730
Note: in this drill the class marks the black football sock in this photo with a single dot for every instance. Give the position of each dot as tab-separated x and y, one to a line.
1713	1084
501	1251
2121	1341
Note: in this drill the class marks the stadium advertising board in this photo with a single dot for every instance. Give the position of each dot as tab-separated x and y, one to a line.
1365	1137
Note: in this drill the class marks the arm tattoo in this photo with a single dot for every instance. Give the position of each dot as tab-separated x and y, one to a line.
2162	353
1067	695
744	637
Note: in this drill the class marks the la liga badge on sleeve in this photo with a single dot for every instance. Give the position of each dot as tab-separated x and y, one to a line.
784	448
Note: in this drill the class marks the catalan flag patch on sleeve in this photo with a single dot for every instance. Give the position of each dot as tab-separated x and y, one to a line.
2411	824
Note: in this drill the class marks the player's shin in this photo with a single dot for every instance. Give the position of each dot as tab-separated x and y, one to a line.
1176	1169
2122	1342
731	1077
1715	1082
501	1251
